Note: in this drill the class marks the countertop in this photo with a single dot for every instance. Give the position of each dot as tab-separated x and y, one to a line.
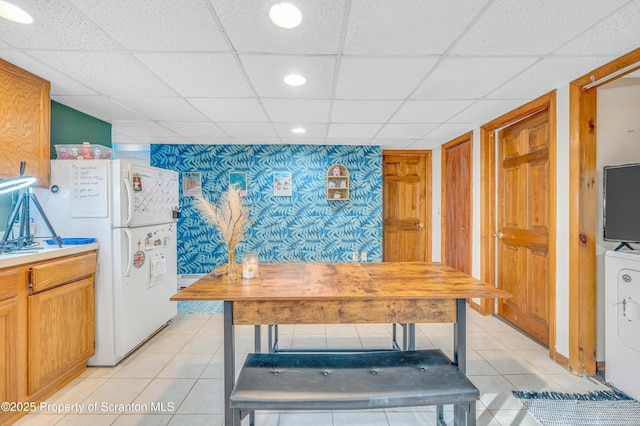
46	252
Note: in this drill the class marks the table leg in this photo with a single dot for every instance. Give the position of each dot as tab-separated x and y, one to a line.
229	361
257	338
460	336
412	336
460	350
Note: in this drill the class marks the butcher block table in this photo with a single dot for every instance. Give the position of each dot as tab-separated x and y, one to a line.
341	293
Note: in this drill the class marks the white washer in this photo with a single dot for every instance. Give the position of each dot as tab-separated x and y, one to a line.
622	320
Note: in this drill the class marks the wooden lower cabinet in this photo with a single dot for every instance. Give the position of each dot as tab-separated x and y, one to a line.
61	331
46	336
9	339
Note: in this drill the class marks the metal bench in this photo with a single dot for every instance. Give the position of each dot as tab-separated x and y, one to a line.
339	381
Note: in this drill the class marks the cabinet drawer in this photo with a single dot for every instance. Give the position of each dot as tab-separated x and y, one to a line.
8	284
63	270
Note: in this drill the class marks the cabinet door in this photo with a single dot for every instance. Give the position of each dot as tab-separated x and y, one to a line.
24	123
8	350
61	331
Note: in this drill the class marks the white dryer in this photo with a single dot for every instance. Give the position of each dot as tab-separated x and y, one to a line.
622	321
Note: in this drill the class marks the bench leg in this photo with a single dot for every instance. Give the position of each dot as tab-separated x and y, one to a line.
440	416
463	414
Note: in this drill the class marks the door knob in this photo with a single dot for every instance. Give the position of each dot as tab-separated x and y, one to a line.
420	225
498	235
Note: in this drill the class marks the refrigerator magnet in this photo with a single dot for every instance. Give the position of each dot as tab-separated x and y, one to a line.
138	259
137	182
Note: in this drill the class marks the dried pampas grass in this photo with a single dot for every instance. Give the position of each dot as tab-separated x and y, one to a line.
231	218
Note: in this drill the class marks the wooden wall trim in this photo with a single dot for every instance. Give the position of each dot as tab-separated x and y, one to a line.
429	192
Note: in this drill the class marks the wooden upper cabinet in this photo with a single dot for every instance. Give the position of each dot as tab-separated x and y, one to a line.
25	110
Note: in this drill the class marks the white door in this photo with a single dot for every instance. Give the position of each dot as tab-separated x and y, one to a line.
144	280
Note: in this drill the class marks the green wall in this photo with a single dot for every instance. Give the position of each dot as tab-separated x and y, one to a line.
68	126
72	127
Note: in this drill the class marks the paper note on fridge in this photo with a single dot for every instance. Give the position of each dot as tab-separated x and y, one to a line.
158	268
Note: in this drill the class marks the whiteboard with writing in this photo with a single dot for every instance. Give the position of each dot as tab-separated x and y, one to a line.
89	192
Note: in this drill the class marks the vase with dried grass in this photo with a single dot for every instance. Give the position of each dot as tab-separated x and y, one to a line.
231	218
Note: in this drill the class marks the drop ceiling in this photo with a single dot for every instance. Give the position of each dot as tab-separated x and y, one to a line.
408	74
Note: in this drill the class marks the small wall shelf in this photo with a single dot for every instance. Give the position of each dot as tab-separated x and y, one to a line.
338	183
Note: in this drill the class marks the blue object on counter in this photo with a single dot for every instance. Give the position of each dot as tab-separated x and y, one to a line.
72	241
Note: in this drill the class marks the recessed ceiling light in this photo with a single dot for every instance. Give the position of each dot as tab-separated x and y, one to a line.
298	130
285	15
295	80
14	13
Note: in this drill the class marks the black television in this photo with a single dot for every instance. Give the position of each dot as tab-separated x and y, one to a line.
621	206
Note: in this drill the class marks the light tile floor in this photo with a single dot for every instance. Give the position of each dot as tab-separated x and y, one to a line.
176	377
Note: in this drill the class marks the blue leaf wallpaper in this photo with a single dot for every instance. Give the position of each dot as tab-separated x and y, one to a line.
305	227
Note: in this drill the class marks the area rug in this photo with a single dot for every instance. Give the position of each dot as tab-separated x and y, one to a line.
208	306
596	408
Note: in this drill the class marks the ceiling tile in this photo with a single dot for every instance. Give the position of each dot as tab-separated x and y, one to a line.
389	143
248	130
247	24
347	141
194	129
469	78
314	130
257	141
510	27
109	73
100	107
380	78
56	25
363	111
342	130
199	75
267	71
60	83
162	109
484	111
297	110
428	111
616	35
405	131
212	140
546	75
447	132
143	129
241	110
160	26
412	27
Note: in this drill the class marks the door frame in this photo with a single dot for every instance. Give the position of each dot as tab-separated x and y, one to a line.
427	191
467	137
488	200
583	212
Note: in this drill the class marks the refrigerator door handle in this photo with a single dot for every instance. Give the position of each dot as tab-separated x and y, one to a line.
129	191
129	252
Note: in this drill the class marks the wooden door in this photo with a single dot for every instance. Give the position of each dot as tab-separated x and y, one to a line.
456	203
524	195
406	222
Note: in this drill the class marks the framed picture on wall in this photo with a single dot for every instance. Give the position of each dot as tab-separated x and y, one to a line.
282	185
239	179
191	184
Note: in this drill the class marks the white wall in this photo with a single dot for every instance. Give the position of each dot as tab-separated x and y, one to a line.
562	221
618	135
436	206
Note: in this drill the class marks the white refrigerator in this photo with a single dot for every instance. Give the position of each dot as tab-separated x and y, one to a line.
129	208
